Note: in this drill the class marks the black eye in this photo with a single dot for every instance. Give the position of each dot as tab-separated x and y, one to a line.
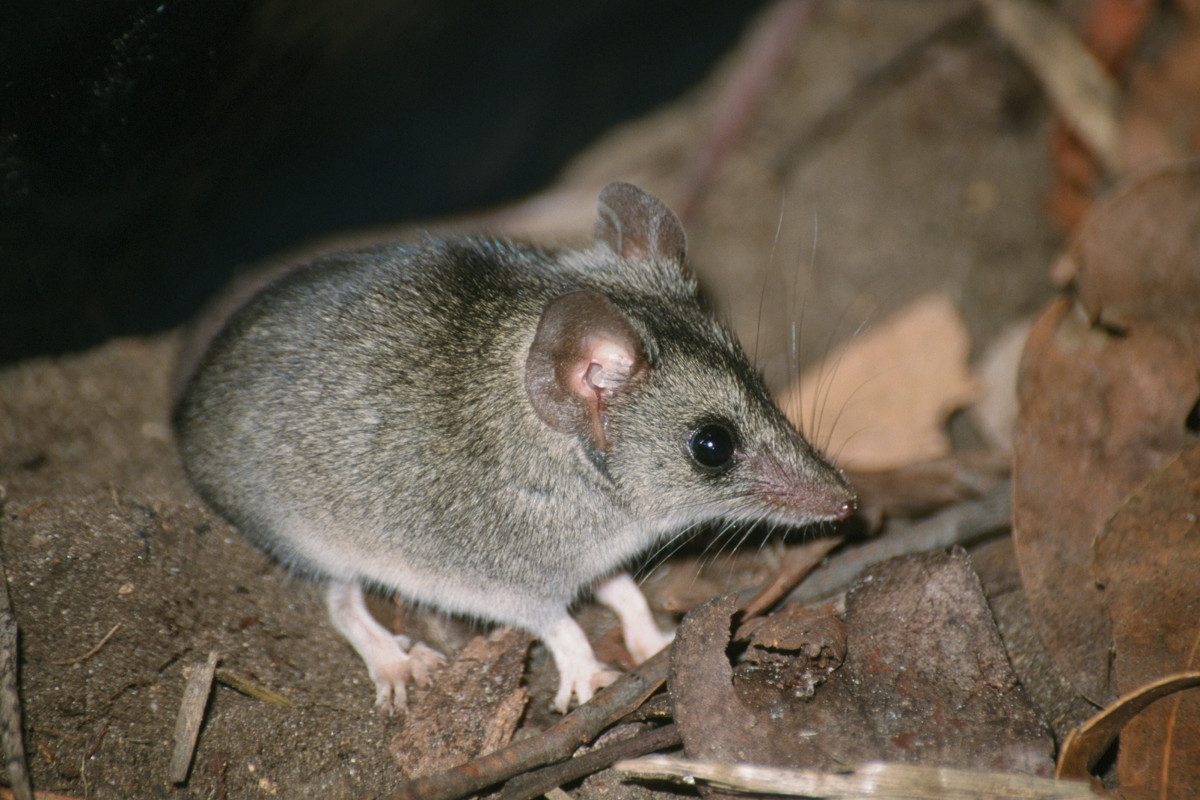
712	446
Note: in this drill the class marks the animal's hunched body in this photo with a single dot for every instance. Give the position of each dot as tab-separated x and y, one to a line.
491	428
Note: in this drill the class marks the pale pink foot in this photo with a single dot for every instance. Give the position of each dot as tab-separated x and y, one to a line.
389	666
579	672
642	636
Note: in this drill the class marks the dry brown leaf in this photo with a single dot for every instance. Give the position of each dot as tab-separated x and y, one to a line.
1099	415
685	581
891	389
1148	560
1103	406
1111	31
1162	111
925	680
1137	256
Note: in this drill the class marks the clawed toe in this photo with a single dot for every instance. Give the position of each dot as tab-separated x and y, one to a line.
582	685
391	678
423	661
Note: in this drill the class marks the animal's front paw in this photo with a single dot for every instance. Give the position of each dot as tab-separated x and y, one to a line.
582	680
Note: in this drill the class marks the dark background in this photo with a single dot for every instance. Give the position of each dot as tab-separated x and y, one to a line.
148	149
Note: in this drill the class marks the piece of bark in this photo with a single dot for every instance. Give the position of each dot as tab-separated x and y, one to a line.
472	708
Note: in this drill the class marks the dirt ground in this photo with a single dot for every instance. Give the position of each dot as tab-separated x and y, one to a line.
935	181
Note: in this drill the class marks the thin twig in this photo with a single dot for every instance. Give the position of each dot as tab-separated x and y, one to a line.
250	688
556	744
91	652
91	751
880	781
798	563
191	714
1082	91
743	96
961	524
538	783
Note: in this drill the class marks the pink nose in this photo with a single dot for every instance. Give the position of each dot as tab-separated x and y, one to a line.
845	508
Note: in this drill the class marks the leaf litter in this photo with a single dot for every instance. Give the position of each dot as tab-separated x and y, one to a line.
1105	468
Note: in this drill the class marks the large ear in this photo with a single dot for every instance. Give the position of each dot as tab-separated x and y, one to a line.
638	226
584	352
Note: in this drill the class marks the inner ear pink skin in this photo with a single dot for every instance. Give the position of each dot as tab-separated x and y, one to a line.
605	369
609	367
584	352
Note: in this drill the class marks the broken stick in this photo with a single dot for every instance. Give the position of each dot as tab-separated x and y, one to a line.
191	714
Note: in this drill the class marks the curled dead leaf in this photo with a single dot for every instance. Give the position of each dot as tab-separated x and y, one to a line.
1087	744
